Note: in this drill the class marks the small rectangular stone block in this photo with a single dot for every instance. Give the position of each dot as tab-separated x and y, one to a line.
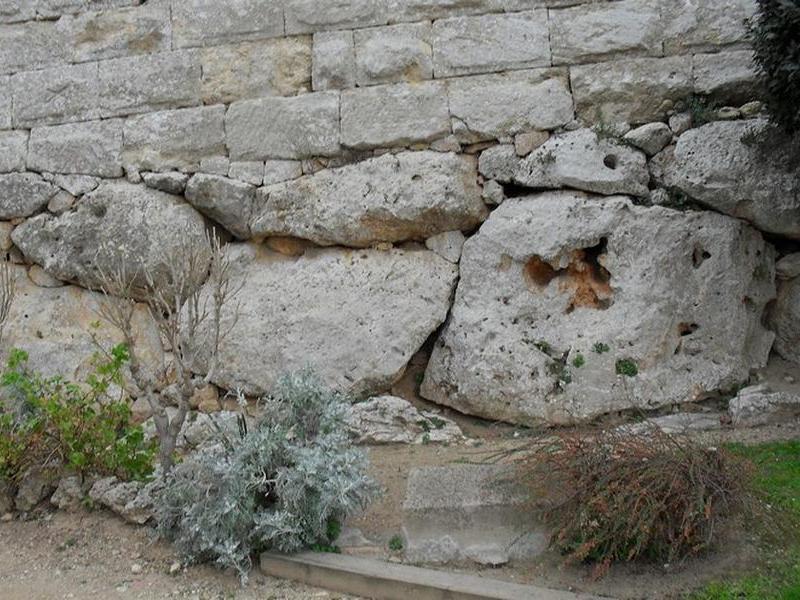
334	63
500	106
51	9
16	11
59	95
404	11
5	102
706	25
488	43
276	171
393	54
175	139
634	91
249	171
293	128
276	67
90	148
212	22
116	33
30	46
728	77
13	148
394	115
592	32
310	16
149	83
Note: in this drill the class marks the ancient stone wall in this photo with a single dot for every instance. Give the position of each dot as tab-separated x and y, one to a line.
349	149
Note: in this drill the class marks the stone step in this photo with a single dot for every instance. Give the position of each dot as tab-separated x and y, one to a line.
380	580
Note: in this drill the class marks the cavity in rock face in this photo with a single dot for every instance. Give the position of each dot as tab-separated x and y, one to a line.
570	306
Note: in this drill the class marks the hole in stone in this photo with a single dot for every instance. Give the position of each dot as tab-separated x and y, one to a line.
539	272
685	329
699	256
610	161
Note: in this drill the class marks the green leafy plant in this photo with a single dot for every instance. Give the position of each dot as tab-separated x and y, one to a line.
601	348
775	31
80	427
702	110
578	361
276	487
396	543
627	367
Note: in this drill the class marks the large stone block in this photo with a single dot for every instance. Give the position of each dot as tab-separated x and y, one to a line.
334	63
708	24
117	223
312	311
726	77
723	166
30	46
116	33
287	128
255	69
558	275
393	54
599	30
175	139
489	43
13	149
309	16
52	9
16	11
226	201
638	90
23	194
394	115
500	106
55	327
90	148
392	198
212	23
784	319
60	95
431	10
149	83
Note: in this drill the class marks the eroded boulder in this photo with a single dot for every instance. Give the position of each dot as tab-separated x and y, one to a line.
23	194
391	198
570	306
393	420
726	165
784	319
355	317
118	223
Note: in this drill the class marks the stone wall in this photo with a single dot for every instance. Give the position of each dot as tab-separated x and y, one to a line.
349	149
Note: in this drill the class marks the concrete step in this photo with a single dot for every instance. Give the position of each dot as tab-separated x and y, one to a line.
379	580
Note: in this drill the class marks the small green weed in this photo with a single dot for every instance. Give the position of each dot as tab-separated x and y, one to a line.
601	348
627	367
578	361
396	543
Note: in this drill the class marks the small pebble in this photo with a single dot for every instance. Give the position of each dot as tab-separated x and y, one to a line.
174	568
136	568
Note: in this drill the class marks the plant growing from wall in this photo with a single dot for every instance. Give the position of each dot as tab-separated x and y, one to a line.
285	485
193	318
775	32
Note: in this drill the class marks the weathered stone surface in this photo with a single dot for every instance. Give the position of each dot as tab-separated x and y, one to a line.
431	10
14	11
759	405
784	320
59	95
77	185
393	54
391	198
13	148
115	33
149	83
226	201
314	310
91	148
788	267
134	501
680	423
392	420
600	30
212	23
30	46
650	138
276	171
256	69
527	142
689	24
6	497
170	182
175	139
468	512
723	166
23	194
334	63
50	9
394	115
583	160
308	16
118	221
248	171
5	102
69	494
216	165
487	43
499	162
5	236
550	276
726	76
284	128
501	106
634	91
42	278
448	245
34	487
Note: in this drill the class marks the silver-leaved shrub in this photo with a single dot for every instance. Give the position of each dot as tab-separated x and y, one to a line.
284	486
